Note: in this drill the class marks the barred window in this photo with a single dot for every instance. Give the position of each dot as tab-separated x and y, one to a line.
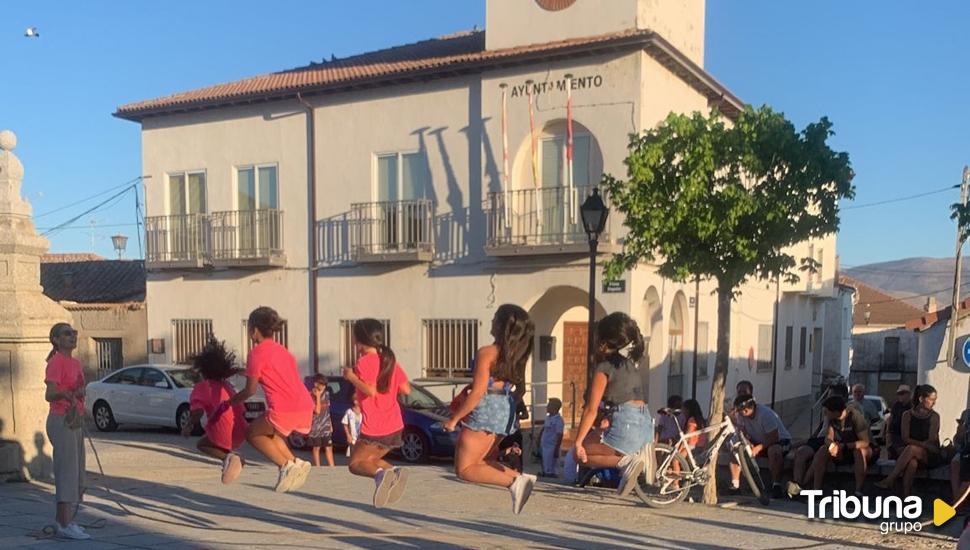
189	337
348	345
281	336
449	347
110	356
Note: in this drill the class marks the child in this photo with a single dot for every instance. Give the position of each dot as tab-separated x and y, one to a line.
618	381
379	380
351	422
498	383
225	429
289	407
551	437
321	430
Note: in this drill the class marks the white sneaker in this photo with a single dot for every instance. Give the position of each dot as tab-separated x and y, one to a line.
285	479
521	490
301	473
631	471
399	485
73	531
384	481
232	465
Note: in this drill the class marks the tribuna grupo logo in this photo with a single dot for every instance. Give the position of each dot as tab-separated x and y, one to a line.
897	515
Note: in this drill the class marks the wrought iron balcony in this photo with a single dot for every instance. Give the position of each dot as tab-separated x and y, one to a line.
392	231
230	238
247	238
539	221
177	241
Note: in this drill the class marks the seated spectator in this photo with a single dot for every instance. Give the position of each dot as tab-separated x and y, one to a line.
894	435
768	437
847	441
921	434
667	423
802	473
960	465
869	408
695	422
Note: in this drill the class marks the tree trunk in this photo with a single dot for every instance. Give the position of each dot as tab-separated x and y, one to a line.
724	298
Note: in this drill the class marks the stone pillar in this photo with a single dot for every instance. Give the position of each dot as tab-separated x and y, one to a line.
26	316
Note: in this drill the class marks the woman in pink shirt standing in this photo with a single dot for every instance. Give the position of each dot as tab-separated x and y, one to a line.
288	404
379	380
65	393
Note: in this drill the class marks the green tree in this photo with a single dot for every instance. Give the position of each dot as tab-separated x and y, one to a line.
727	202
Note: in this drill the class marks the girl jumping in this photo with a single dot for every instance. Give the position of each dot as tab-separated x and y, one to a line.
619	382
288	404
499	381
379	380
225	429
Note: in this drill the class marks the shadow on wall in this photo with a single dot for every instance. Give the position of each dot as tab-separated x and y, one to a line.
42	466
12	459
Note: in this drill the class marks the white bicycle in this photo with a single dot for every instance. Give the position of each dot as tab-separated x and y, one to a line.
678	470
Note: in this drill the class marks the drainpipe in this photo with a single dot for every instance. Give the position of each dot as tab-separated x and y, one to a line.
311	231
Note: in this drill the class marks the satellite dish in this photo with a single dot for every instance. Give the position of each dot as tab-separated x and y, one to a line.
31	32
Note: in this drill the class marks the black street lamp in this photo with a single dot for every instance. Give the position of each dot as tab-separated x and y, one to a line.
594	213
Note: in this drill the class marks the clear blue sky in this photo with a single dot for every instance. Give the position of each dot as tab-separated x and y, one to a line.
892	76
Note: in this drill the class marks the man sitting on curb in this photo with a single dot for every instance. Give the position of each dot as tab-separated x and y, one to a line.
846	442
768	437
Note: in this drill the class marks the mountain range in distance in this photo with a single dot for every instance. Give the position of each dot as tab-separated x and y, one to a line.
913	280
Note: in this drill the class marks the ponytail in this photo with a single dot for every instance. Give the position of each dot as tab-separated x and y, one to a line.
370	333
388	360
54	333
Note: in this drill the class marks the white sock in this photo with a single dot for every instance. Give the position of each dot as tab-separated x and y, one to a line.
735	483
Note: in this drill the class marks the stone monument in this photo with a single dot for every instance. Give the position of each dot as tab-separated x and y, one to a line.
26	316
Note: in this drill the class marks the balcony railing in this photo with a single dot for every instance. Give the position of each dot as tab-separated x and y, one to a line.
392	231
229	238
538	221
181	240
247	237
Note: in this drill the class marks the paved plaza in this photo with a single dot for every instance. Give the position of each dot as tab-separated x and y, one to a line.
173	499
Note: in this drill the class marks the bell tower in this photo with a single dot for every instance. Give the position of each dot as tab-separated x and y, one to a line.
510	23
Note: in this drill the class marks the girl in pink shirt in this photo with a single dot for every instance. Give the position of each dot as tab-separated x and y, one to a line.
65	393
379	380
288	404
225	429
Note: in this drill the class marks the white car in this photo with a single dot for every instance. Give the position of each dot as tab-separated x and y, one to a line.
141	394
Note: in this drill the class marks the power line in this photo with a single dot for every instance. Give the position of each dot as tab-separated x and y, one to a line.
96	207
903	298
86	199
88	227
900	199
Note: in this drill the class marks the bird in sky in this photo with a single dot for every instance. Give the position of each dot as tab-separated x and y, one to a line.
31	32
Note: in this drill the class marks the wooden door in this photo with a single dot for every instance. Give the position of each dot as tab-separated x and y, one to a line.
573	367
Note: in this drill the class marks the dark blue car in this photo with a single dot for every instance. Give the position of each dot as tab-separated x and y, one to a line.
423	415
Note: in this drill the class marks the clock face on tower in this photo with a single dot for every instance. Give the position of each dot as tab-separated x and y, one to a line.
555	5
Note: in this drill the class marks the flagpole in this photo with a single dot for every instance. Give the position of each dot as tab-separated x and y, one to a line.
506	198
570	200
535	160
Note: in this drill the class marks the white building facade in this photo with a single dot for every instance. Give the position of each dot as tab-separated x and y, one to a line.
376	186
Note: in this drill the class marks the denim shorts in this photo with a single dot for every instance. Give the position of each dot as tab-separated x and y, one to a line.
630	428
495	413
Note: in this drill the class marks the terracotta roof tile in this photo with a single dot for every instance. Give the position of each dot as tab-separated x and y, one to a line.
436	57
926	320
884	309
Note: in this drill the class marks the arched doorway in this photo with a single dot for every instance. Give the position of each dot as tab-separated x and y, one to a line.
651	325
560	314
676	336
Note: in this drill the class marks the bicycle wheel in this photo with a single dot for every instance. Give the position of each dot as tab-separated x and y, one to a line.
752	473
671	486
